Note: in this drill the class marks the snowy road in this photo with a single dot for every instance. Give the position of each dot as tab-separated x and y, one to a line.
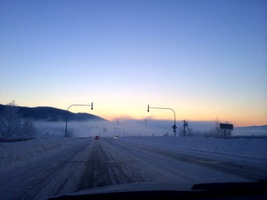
95	163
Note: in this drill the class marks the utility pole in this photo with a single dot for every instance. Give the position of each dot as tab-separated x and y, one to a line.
185	125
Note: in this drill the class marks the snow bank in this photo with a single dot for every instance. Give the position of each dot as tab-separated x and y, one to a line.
20	154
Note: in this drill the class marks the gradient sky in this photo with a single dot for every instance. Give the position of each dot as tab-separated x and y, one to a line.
205	59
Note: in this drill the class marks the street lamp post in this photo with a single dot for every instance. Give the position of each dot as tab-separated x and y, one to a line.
174	116
67	113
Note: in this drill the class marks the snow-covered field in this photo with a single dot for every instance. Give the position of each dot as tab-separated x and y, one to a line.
250	151
236	146
20	154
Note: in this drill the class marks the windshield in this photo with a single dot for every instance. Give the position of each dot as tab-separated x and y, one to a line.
131	95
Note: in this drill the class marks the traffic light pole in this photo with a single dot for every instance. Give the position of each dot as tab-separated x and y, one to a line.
67	113
174	127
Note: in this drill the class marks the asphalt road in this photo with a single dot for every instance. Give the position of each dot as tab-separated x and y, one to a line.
104	162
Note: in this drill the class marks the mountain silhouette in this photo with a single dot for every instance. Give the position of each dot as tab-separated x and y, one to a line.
50	113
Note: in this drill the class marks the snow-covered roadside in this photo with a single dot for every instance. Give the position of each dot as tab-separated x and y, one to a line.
236	146
20	154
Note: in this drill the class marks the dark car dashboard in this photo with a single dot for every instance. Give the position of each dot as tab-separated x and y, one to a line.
221	191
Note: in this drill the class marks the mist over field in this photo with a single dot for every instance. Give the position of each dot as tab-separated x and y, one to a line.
135	128
91	129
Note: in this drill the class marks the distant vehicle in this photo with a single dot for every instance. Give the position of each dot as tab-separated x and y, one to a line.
116	137
97	137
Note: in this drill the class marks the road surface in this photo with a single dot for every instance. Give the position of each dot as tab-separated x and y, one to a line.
108	161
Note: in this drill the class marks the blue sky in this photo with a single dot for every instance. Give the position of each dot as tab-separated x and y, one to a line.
204	59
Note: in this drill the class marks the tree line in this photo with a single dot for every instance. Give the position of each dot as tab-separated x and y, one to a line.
13	125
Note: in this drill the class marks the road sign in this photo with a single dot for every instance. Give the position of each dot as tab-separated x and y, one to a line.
226	126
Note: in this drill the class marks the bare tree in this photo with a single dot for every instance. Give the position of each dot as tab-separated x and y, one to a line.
28	127
217	131
10	120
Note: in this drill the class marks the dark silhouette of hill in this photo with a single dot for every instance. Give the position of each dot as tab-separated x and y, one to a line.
51	114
